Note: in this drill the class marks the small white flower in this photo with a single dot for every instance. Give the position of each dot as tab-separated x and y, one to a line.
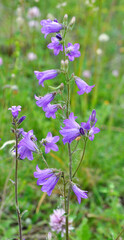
31	56
103	37
20	21
33	24
61	5
115	73
99	51
86	74
33	12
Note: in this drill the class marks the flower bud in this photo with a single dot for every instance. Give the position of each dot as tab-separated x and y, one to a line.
72	22
62	65
21	120
65	19
66	64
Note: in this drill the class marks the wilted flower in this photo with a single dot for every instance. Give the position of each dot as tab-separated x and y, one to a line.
58	222
45	75
103	37
31	56
49	143
79	193
15	110
50	110
72	129
44	101
56	44
1	61
33	24
99	51
115	73
26	145
83	86
50	26
72	51
48	178
33	12
86	74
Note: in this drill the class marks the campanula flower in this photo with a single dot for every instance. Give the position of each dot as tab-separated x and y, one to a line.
50	26
50	110
44	101
72	51
45	75
15	110
83	86
48	178
72	129
26	146
79	193
49	143
55	45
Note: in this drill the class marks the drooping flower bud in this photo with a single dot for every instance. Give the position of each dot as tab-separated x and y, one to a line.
21	120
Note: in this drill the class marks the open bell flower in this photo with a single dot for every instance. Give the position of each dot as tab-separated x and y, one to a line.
45	75
72	51
49	143
72	129
48	178
79	193
55	45
15	111
27	145
83	86
45	100
50	26
51	109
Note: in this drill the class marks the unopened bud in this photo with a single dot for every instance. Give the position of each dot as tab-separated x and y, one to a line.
61	86
21	120
65	16
72	22
62	64
65	19
66	64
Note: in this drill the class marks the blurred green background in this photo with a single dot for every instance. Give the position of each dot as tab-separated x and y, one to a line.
101	63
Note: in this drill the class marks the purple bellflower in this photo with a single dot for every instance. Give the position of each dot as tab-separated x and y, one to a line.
45	100
50	26
15	110
45	75
72	51
48	178
79	193
49	143
26	145
55	45
72	129
83	86
50	110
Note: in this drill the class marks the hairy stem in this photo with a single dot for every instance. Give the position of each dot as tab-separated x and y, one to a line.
85	141
16	186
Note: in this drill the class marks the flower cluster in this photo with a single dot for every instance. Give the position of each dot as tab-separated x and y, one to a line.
58	221
72	129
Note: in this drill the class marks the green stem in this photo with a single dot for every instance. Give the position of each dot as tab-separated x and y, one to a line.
16	186
120	234
85	141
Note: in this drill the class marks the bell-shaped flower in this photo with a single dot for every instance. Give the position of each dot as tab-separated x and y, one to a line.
55	45
48	178
45	75
26	146
15	111
49	143
50	110
45	100
83	86
72	51
79	193
50	26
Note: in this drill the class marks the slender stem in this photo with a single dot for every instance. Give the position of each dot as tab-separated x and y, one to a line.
120	234
85	141
75	147
16	186
44	160
64	183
